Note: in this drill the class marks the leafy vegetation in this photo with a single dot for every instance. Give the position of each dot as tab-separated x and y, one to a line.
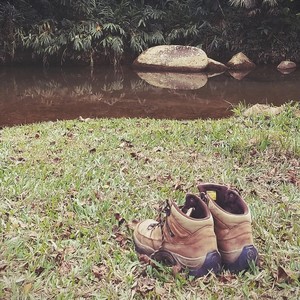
116	31
69	191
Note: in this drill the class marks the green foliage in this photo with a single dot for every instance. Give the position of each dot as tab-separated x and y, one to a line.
114	31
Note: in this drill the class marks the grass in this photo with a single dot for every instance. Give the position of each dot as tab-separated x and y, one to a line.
70	189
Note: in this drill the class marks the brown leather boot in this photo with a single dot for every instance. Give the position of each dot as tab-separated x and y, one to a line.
232	221
185	237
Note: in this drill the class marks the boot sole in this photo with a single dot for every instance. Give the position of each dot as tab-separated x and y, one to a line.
248	255
212	262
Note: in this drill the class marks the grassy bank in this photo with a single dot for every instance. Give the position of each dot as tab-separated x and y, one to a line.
69	191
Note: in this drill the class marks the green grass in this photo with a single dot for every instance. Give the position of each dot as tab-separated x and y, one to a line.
62	184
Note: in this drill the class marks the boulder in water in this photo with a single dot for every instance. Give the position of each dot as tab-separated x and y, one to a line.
174	58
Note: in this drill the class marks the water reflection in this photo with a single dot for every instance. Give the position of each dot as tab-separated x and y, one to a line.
32	95
175	81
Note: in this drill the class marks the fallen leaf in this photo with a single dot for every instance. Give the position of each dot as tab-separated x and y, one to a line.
121	238
132	224
134	155
65	268
297	113
283	275
69	134
120	219
93	150
140	156
99	271
145	285
81	119
226	277
293	178
176	269
160	290
99	195
38	271
56	159
3	266
70	250
26	288
143	258
126	144
158	149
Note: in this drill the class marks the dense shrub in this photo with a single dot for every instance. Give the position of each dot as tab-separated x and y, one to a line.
93	31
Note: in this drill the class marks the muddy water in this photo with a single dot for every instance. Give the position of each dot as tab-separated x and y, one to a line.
29	95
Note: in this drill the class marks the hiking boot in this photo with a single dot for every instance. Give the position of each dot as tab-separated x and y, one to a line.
184	237
232	221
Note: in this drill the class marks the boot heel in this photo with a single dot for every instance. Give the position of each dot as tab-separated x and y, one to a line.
248	254
212	263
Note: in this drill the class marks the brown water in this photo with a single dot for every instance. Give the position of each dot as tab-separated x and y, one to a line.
29	95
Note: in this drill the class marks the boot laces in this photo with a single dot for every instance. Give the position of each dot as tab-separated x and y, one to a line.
161	220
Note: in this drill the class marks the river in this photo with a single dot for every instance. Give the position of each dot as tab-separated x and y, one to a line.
32	94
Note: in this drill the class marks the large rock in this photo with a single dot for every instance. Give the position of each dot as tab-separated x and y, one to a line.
215	66
175	81
172	58
240	62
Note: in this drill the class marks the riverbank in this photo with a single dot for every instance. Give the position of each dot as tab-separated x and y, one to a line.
70	190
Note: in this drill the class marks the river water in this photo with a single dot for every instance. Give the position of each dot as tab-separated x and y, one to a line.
29	95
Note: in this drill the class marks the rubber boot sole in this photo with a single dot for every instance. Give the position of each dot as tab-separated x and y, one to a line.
212	262
248	255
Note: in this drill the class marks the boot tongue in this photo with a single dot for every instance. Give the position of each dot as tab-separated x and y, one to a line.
190	211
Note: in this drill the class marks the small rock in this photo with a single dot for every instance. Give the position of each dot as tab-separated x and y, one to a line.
263	109
286	65
240	62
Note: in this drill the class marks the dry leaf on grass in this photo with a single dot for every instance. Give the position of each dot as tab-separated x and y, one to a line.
176	269
26	288
65	268
285	275
132	224
144	285
3	266
99	271
143	258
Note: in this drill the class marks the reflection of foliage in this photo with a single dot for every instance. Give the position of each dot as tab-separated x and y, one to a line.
113	86
110	91
93	31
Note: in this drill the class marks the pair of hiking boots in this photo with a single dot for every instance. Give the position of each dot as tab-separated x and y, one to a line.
205	234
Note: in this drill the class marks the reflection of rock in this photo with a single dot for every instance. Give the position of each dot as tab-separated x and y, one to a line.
215	66
172	58
240	62
287	71
176	81
239	75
